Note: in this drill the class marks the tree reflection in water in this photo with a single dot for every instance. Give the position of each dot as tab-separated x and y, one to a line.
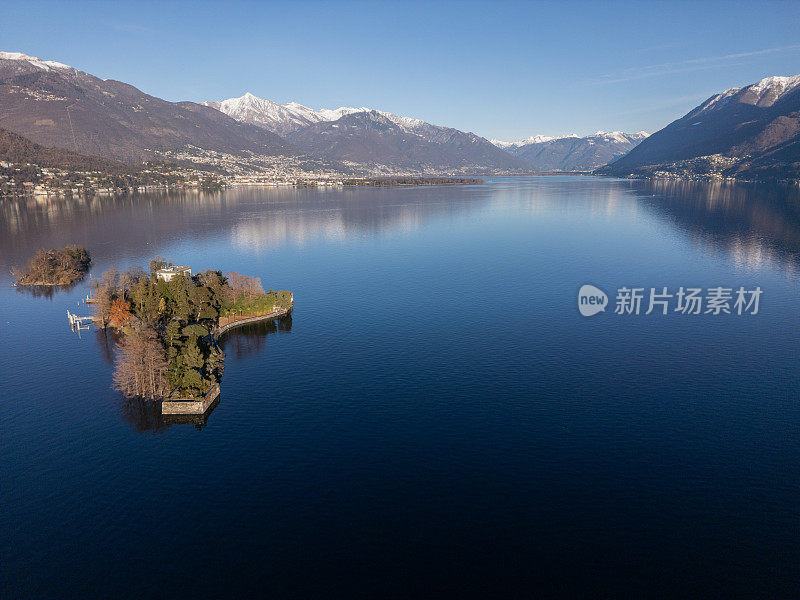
251	339
107	342
44	291
145	415
199	421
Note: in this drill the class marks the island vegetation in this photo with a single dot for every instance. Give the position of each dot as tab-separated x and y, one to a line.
167	346
55	267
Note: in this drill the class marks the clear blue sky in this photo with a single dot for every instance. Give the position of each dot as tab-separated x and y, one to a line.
502	69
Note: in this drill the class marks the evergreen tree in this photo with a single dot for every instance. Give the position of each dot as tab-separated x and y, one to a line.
192	355
179	294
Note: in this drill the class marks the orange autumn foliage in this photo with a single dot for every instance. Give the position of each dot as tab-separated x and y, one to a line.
119	312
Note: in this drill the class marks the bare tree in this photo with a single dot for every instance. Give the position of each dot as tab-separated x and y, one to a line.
105	290
141	366
242	286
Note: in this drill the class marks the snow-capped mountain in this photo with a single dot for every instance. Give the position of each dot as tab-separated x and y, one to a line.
285	119
572	152
278	118
371	136
765	93
534	139
58	106
751	131
617	136
375	137
45	65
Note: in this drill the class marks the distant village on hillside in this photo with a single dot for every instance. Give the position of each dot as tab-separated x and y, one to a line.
67	132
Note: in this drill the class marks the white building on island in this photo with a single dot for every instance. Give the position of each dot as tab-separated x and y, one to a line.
167	273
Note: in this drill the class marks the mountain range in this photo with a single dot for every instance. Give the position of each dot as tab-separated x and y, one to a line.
368	136
572	152
749	132
55	105
282	119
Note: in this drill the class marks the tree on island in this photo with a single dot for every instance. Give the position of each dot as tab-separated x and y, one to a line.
119	312
178	317
141	368
55	267
242	286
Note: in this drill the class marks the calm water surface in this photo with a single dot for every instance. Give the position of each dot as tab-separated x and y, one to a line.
437	418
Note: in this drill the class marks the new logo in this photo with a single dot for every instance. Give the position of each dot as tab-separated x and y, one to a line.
591	300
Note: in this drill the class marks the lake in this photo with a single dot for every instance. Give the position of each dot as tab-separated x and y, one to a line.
436	418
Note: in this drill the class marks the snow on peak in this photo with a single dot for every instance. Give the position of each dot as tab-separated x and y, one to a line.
280	118
762	93
502	144
534	139
283	118
408	123
620	136
609	136
769	90
327	114
45	65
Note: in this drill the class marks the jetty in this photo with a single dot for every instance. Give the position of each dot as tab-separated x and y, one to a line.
77	322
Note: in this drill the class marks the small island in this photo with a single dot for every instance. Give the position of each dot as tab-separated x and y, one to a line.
415	181
55	267
168	322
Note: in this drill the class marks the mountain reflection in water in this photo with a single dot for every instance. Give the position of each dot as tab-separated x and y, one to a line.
439	395
753	223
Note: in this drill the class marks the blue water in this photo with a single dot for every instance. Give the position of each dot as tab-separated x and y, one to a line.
437	419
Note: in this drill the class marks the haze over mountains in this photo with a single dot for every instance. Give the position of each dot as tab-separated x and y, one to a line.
749	132
572	152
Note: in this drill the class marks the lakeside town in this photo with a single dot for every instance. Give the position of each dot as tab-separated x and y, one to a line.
18	180
26	179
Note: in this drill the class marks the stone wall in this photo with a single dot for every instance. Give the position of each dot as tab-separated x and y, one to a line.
190	406
226	323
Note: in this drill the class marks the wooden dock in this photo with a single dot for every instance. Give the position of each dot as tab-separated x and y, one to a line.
77	322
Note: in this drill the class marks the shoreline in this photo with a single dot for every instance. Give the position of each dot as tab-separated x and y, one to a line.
201	405
221	330
18	284
699	179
